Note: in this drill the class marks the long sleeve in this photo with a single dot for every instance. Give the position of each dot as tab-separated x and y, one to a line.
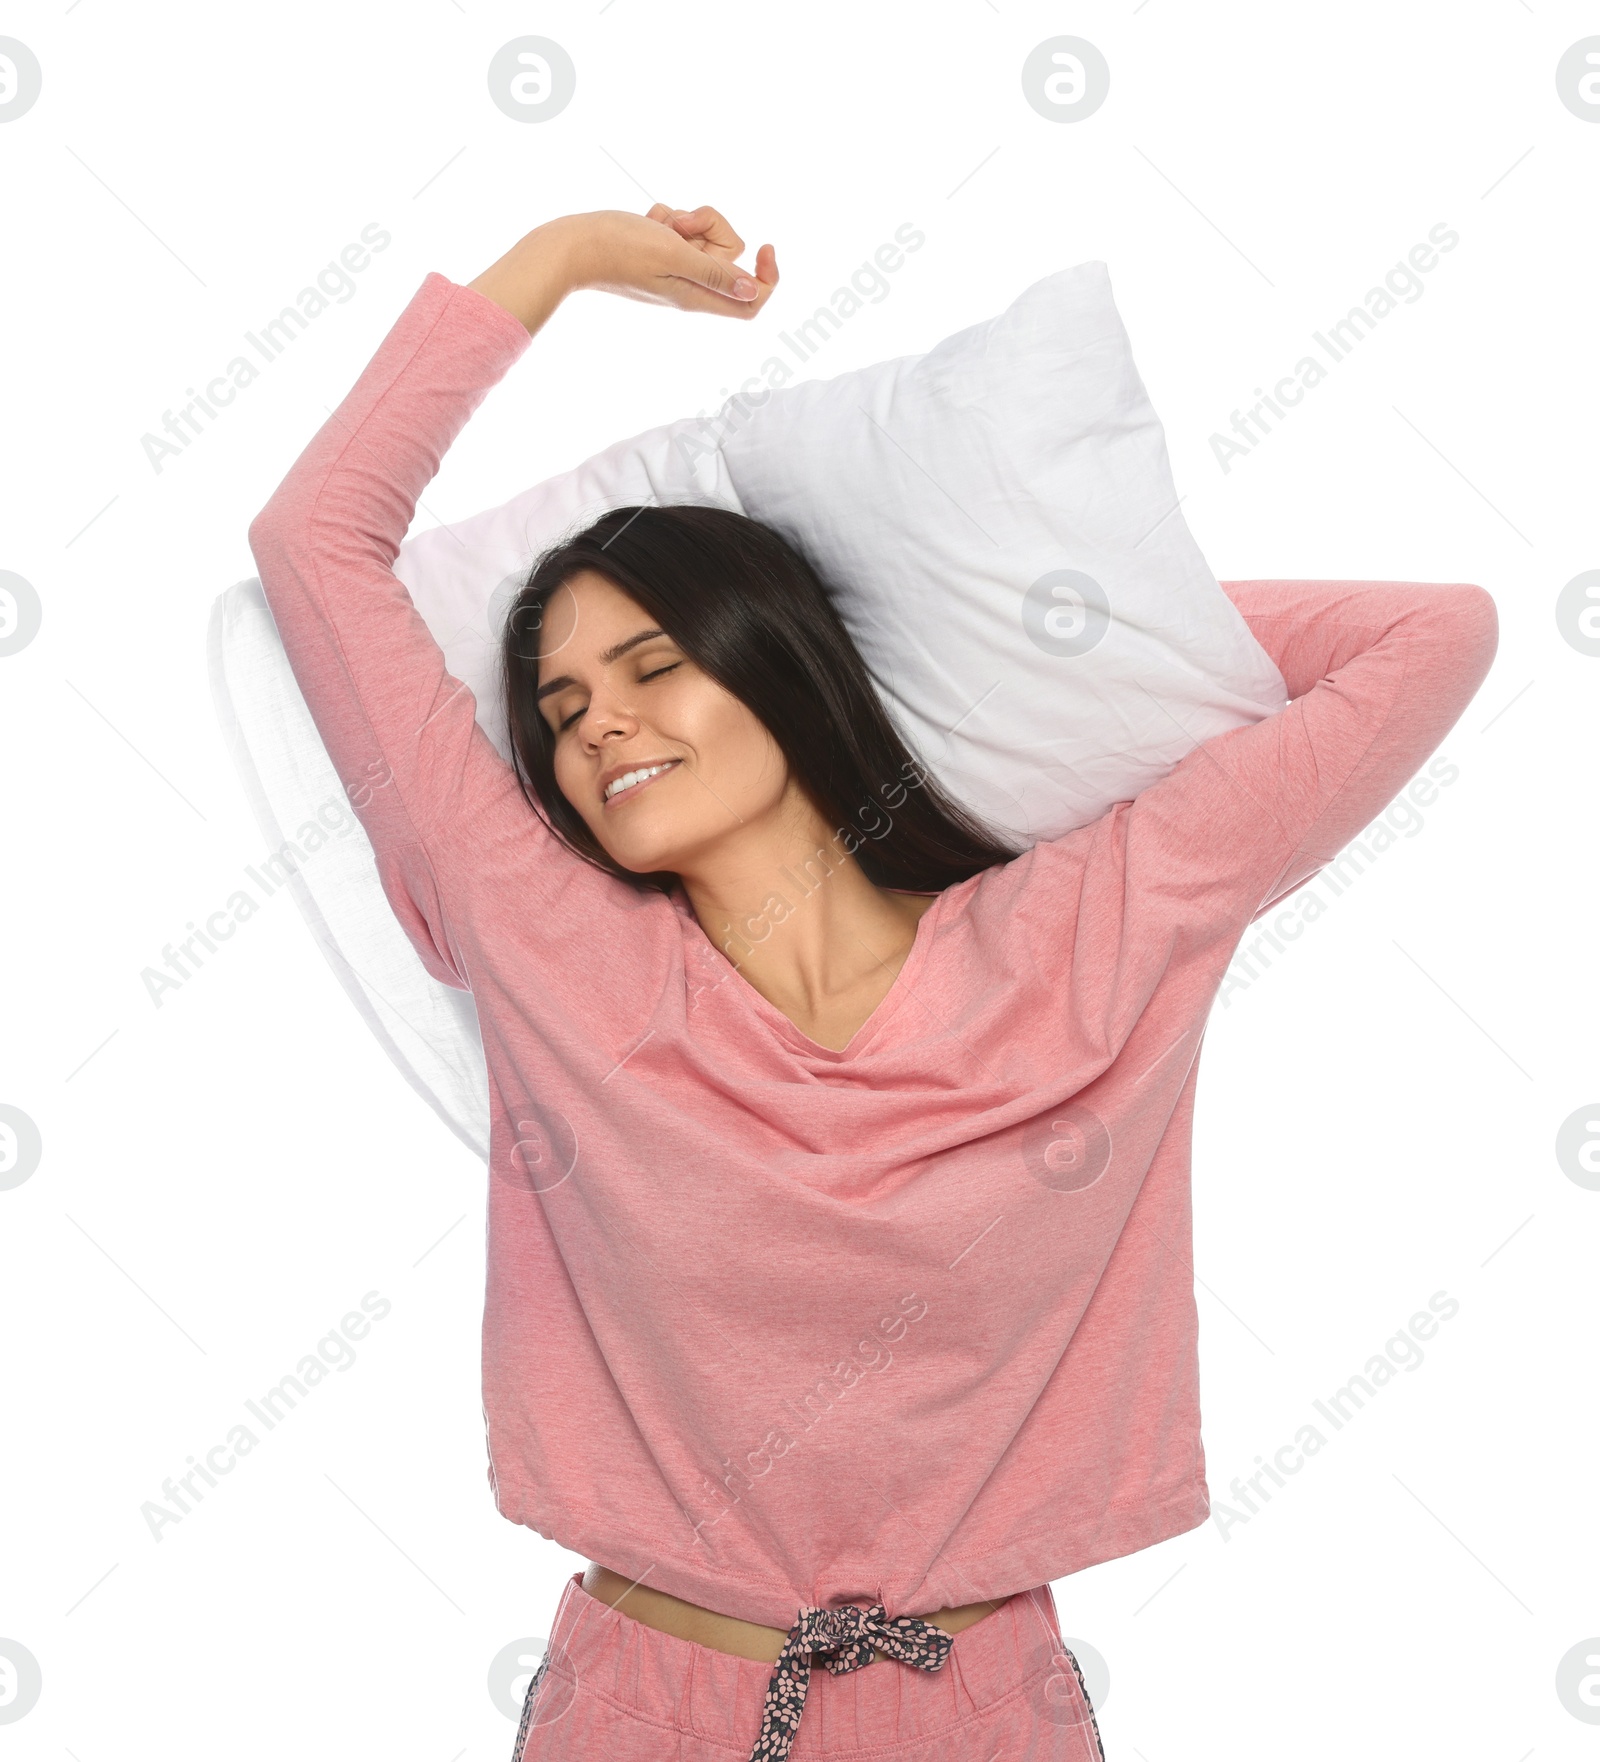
1157	892
1377	675
422	776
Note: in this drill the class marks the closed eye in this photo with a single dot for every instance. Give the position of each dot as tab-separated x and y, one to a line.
655	673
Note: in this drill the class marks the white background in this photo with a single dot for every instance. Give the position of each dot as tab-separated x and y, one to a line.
225	1176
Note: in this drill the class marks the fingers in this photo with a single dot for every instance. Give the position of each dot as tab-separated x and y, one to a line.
708	224
700	271
711	272
699	291
766	278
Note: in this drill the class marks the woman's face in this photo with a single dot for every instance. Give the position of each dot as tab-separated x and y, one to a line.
622	698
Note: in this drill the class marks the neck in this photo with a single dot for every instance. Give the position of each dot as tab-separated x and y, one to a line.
789	905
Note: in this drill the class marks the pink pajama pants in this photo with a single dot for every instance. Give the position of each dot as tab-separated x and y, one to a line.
611	1689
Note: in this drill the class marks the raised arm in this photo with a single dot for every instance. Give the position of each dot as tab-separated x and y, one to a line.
422	776
1377	674
1158	890
399	728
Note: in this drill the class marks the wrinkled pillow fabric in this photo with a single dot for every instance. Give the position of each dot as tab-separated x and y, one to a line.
997	524
995	521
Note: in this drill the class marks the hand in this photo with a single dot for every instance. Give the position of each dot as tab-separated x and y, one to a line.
668	257
694	266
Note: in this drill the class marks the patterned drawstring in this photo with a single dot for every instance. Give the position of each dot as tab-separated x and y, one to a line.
845	1638
527	1706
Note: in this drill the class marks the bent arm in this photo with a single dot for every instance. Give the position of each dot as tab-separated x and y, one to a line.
1161	888
1377	673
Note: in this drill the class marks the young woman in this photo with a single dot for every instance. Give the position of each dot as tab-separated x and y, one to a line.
838	1286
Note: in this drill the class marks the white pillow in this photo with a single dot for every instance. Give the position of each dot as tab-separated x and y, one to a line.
997	523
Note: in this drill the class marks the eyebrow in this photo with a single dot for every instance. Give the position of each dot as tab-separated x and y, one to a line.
614	653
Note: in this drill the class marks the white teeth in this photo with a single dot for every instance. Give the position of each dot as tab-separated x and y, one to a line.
629	778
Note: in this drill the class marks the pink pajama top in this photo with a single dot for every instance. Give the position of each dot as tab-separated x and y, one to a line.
769	1326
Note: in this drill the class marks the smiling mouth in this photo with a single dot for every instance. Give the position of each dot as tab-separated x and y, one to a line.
631	782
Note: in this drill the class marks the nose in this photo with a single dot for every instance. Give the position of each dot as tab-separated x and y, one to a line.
608	718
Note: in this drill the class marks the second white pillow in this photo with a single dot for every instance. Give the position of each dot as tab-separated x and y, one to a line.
997	525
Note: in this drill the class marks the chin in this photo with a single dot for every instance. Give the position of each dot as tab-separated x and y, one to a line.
646	859
640	865
654	841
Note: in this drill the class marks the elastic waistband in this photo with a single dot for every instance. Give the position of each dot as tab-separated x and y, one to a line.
595	1649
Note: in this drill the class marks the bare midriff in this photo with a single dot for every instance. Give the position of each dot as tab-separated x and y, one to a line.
726	1633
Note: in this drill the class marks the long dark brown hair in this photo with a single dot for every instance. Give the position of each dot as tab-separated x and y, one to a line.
750	611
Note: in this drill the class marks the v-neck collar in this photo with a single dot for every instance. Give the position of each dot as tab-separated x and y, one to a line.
888	1006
